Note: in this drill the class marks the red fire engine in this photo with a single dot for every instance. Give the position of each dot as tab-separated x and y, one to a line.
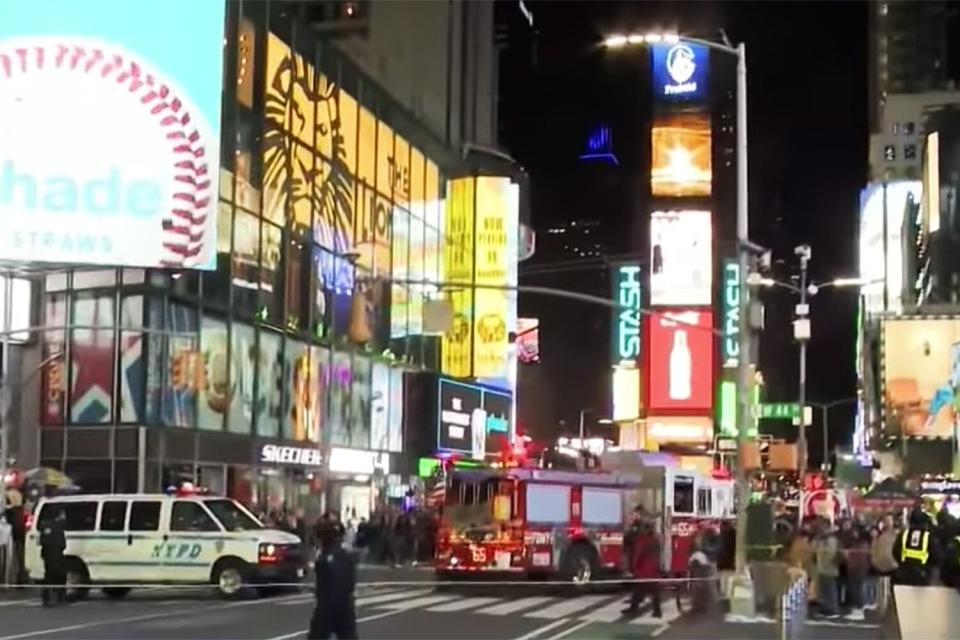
569	523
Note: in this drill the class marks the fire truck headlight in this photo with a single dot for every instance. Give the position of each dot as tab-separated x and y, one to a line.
454	561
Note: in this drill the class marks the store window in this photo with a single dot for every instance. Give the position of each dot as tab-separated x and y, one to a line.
191	516
92	358
54	373
132	390
176	369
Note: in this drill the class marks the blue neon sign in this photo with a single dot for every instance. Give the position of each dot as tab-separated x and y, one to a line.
680	71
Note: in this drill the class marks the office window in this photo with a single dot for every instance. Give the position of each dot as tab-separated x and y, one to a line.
895	128
909	128
889	152
910	152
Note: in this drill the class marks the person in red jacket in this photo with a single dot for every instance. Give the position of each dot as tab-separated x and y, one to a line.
646	568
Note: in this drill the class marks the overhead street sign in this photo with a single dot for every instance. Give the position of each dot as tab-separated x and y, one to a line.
778	410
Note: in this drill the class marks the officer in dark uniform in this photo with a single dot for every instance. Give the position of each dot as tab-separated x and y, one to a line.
53	543
917	551
335	612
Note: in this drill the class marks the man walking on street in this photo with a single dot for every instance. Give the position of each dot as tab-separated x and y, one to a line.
827	568
53	544
646	569
335	612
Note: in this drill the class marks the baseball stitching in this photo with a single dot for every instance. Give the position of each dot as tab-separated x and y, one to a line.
184	224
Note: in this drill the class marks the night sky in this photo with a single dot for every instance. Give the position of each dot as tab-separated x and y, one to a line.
807	80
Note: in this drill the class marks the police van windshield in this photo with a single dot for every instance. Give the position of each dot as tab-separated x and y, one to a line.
232	516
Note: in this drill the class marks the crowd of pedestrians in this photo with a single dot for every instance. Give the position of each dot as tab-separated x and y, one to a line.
844	560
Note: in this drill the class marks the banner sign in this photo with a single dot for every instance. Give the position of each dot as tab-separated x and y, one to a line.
730	346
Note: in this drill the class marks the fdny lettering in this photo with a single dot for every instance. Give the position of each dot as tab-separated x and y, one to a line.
176	551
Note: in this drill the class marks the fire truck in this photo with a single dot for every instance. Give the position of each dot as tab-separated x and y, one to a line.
570	524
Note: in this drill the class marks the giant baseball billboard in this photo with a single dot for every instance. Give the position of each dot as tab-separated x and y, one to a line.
110	131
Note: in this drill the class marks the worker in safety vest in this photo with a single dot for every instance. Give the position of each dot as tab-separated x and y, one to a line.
917	551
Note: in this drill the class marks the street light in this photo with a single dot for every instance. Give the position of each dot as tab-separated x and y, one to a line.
801	329
742	601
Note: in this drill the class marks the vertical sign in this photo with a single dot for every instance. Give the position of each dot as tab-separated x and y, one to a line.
457	344
492	306
625	332
680	71
730	347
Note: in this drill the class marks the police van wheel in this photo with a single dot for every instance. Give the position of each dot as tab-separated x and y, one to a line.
78	580
228	578
116	593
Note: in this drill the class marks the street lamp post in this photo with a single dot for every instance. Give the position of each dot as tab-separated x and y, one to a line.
742	601
801	332
825	417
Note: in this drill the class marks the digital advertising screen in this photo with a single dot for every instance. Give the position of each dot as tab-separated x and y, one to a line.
102	166
457	404
528	340
681	258
680	71
680	361
895	201
681	162
921	375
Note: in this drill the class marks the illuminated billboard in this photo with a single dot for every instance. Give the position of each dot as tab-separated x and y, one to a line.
626	393
457	343
471	419
884	272
496	218
680	361
681	264
110	150
528	340
730	304
625	331
680	163
921	375
680	70
692	429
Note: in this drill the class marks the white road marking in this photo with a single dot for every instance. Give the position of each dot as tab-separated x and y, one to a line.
303	632
390	597
510	606
466	603
611	612
568	631
416	603
669	610
567	607
539	630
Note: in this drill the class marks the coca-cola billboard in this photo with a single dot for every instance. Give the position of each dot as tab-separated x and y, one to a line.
680	361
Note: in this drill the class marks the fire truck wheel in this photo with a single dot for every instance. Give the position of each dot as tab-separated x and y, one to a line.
580	563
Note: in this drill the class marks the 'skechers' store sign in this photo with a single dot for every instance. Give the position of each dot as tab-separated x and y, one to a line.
302	456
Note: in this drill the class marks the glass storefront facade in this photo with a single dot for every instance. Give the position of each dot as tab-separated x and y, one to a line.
330	227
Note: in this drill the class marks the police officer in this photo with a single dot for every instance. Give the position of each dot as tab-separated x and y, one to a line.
53	542
917	550
335	612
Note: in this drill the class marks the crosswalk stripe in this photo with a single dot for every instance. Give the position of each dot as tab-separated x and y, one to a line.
610	612
465	603
390	597
511	606
416	603
566	608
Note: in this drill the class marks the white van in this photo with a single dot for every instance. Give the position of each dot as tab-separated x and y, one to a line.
123	540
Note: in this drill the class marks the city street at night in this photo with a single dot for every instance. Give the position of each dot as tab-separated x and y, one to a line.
408	612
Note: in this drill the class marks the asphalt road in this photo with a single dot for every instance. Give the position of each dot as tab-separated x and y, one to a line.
416	610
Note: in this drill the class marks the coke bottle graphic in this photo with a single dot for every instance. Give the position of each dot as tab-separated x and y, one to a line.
681	369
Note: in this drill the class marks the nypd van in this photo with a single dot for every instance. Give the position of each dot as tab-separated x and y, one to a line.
119	541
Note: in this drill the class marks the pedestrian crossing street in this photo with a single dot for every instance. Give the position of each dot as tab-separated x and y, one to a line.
588	607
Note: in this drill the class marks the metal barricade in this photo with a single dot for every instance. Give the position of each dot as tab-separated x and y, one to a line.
793	610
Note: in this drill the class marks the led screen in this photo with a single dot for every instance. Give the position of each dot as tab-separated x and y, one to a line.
680	361
681	266
681	155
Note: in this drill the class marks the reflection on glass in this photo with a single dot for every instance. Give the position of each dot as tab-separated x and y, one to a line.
232	516
91	351
216	391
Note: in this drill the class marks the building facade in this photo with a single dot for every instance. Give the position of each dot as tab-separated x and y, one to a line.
278	377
